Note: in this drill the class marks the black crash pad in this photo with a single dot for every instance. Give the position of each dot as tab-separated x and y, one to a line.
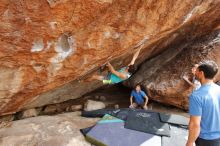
118	113
174	119
148	122
178	137
101	112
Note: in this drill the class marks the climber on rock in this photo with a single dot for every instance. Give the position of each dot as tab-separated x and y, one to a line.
116	76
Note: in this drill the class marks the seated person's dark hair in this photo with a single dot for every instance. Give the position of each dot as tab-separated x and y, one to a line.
136	86
210	69
131	69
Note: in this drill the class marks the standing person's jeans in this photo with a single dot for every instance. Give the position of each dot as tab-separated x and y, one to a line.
203	142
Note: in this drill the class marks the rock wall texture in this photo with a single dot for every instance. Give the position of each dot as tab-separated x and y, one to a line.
59	130
162	76
47	46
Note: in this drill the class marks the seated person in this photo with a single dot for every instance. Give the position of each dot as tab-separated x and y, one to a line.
139	97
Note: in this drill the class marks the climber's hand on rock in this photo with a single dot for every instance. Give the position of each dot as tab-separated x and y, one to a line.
107	64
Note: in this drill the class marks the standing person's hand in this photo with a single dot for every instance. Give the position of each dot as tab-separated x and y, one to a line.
131	106
189	144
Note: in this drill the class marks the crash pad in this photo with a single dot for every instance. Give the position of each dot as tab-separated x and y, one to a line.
148	122
84	131
174	119
110	131
178	137
118	113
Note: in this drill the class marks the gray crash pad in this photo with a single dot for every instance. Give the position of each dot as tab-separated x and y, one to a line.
178	137
174	119
110	131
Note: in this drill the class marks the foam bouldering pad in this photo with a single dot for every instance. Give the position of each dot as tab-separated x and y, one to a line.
84	131
118	113
148	122
174	119
101	112
110	131
178	137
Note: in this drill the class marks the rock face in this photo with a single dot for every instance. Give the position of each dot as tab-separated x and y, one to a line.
48	46
162	76
47	130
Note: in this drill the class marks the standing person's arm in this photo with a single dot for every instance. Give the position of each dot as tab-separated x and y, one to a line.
189	82
194	129
195	111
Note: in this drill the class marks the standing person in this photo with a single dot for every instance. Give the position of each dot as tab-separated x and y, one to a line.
204	108
120	75
194	83
140	98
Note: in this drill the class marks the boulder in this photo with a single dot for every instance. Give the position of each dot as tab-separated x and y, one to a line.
30	113
56	130
50	109
91	105
7	118
162	76
102	98
74	108
48	47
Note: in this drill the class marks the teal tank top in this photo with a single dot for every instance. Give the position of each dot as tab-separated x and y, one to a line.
115	79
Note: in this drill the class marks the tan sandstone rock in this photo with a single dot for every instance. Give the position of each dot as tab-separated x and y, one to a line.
59	130
162	77
48	46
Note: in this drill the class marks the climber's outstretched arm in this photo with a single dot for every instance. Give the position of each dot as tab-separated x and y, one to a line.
135	56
